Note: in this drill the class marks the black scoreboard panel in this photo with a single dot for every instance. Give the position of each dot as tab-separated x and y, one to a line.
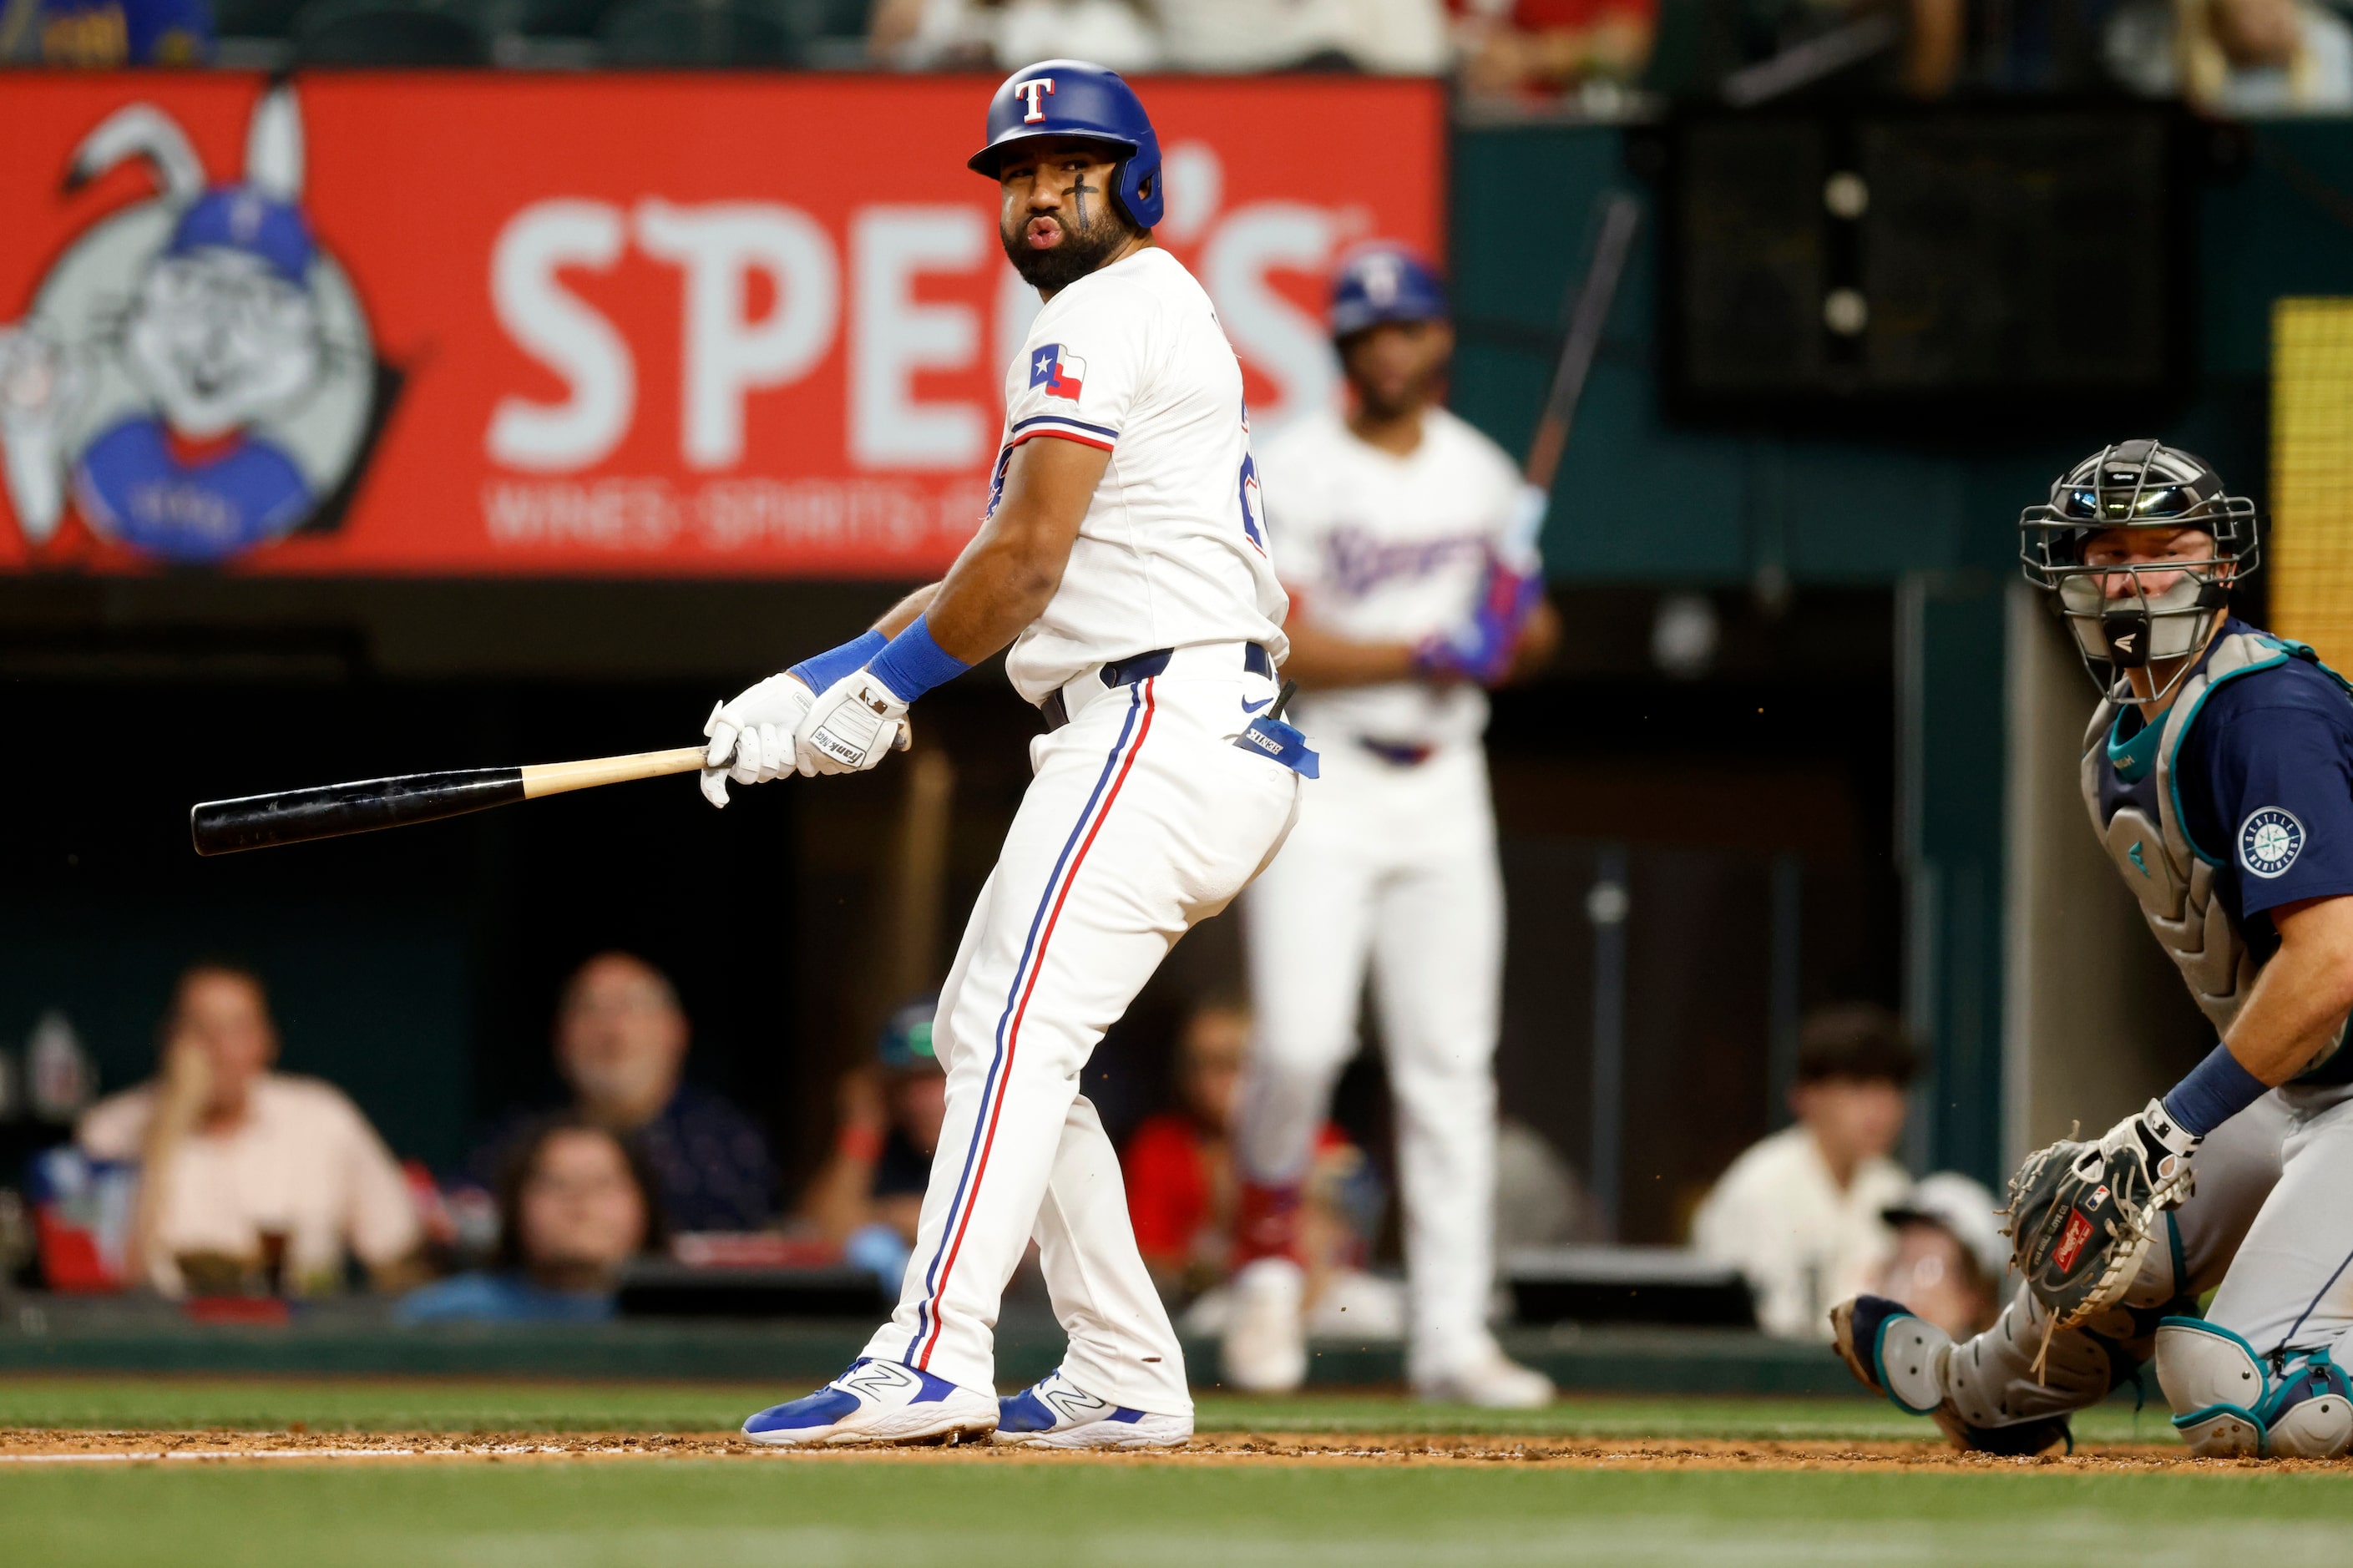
1869	265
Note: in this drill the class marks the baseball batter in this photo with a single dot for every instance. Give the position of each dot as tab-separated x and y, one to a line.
1123	557
2218	773
1408	542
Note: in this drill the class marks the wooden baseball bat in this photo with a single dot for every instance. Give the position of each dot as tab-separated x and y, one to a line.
1621	219
290	817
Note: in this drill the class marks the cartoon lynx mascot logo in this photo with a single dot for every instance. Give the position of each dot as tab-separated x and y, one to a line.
194	376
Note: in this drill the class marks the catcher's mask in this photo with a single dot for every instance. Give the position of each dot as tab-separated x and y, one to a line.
2148	486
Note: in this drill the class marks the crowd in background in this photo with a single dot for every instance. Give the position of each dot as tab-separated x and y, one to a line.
222	1177
1600	57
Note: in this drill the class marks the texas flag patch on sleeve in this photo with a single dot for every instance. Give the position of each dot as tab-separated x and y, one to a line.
1059	373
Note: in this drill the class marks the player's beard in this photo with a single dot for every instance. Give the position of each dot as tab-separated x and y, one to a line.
1083	248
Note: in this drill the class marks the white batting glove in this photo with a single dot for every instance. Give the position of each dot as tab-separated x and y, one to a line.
751	736
851	726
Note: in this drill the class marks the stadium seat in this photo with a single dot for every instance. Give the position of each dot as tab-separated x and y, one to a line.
698	33
542	18
385	33
255	18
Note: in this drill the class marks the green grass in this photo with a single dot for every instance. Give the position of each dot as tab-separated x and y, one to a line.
782	1513
252	1405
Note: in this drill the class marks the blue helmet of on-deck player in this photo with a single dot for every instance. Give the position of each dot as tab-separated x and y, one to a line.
1073	98
1384	281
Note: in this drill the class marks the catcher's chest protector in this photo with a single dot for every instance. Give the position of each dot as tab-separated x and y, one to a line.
2173	885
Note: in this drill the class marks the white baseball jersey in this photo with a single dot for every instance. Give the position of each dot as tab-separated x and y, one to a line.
1379	548
1173	550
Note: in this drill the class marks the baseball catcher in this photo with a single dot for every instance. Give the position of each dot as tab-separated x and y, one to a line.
2218	773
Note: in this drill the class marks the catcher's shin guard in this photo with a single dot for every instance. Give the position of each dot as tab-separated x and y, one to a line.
2227	1405
1910	1360
1890	1350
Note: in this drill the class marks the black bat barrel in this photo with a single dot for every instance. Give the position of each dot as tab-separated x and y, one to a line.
257	821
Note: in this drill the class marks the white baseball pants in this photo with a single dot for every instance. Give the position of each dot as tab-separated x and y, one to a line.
1143	818
1392	866
2266	1227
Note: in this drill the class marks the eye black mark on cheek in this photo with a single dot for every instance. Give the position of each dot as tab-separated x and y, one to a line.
1080	193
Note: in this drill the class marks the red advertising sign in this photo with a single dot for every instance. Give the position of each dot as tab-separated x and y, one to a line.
707	325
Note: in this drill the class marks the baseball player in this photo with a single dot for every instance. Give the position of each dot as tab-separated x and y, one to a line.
1122	558
2218	772
1409	546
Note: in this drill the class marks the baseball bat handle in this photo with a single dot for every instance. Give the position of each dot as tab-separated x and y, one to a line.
365	805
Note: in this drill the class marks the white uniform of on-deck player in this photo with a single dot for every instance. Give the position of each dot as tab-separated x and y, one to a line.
1393	863
1144	818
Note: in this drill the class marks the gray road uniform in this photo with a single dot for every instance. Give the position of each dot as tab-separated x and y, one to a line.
2238	801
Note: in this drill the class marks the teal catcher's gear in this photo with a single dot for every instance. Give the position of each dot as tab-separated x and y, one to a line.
2175	884
2233	1405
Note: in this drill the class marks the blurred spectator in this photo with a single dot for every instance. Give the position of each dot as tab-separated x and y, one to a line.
1004	35
870	1193
1950	1255
2235	57
1182	1194
1393	37
1539	1202
575	1203
620	1044
250	1179
1800	1212
104	35
1525	48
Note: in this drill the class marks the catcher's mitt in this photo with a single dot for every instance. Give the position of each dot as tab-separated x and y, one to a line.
2082	1215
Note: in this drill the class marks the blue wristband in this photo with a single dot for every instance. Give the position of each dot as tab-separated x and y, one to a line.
820	671
913	663
2216	1089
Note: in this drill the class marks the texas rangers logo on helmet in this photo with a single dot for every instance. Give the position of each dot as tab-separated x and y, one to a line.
2269	841
1059	372
1036	90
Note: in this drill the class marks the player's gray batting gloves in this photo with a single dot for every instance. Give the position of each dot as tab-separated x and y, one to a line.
751	736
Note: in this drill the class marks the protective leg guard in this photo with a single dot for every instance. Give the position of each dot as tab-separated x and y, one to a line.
1913	1363
2309	1411
2226	1405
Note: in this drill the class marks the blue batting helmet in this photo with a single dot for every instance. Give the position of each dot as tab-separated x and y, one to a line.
1384	282
1071	98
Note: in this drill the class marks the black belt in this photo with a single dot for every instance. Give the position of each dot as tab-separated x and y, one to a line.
1256	660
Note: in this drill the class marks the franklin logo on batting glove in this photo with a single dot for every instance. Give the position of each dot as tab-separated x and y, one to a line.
851	726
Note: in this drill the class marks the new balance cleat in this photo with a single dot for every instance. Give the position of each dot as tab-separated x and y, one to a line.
1055	1413
1492	1381
877	1402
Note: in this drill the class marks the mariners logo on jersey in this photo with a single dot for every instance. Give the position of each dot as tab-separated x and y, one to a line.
1060	373
2269	841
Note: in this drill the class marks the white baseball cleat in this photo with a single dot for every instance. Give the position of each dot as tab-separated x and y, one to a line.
1490	1380
1055	1413
878	1402
1266	1333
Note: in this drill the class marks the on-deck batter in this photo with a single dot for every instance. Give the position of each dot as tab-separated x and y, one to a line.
1123	558
1408	541
2218	773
